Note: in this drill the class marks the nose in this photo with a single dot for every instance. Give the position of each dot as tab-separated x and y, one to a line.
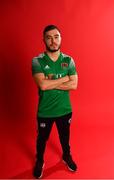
52	40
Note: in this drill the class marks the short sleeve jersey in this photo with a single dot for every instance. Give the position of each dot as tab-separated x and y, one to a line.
53	103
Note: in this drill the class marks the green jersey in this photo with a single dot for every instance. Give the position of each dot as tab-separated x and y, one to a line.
53	103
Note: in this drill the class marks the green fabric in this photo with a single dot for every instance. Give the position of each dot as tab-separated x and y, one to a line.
53	103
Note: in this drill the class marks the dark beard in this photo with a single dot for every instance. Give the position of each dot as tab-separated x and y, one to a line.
52	50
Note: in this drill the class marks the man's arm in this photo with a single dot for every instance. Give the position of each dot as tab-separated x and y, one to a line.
69	85
47	84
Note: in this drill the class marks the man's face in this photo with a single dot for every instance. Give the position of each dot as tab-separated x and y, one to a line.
52	40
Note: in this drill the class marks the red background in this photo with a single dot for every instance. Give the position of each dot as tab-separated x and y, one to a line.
87	28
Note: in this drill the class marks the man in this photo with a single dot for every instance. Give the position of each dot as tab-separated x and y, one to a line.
54	73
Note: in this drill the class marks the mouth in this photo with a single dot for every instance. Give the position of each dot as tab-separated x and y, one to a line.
53	47
53	44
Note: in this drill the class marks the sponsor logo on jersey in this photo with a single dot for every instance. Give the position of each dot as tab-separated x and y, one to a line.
50	76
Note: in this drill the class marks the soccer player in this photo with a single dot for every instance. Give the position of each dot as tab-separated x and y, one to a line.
54	74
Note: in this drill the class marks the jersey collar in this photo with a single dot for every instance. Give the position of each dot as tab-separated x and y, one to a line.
48	58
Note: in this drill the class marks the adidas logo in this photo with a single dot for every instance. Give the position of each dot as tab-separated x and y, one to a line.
47	67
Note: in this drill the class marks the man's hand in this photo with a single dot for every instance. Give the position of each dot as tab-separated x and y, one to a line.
69	85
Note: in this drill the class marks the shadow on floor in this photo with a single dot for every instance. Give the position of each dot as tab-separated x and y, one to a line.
59	166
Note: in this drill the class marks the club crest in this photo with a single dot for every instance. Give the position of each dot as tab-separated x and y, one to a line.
64	65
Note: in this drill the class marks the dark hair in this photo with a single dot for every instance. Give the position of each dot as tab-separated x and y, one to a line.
50	27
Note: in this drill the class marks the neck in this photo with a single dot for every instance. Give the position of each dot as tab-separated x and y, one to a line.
53	55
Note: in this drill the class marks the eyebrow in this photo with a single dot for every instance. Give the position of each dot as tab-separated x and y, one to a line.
54	35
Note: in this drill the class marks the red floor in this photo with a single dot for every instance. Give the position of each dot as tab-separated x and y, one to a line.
94	154
92	147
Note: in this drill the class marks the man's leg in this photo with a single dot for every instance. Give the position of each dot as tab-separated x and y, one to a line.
44	129
63	127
